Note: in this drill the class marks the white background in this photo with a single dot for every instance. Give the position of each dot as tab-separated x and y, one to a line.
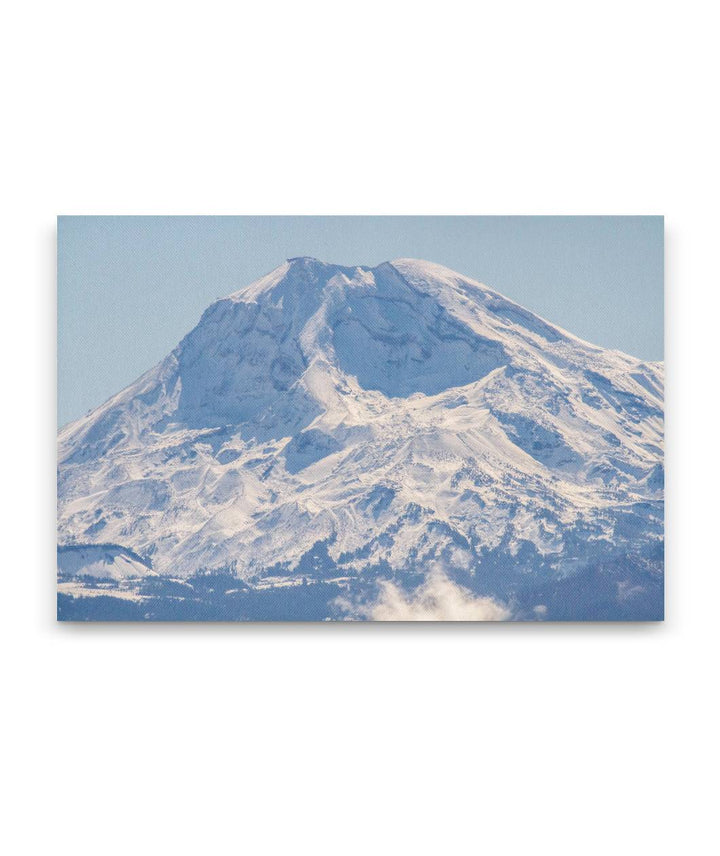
359	739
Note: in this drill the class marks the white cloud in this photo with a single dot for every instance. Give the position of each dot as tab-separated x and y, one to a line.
437	599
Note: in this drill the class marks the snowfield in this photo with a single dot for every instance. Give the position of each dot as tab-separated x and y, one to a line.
380	428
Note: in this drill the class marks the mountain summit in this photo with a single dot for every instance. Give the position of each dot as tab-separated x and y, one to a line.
361	425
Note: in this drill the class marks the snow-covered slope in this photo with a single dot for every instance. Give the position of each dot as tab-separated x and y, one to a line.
101	561
354	422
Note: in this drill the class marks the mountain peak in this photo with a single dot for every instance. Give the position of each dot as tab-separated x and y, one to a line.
400	415
299	274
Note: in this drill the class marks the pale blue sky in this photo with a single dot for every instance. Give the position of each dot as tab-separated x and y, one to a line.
129	288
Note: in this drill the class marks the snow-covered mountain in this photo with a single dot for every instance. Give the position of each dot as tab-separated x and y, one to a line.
378	424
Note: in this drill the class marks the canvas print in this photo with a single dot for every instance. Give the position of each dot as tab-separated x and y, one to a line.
360	419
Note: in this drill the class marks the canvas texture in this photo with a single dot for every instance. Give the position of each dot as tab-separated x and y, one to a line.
392	441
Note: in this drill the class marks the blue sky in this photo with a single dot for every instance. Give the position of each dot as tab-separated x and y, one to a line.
129	288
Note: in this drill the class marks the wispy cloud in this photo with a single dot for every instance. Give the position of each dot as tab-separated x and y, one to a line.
437	599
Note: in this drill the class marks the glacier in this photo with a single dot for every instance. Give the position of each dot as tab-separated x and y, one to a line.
329	434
